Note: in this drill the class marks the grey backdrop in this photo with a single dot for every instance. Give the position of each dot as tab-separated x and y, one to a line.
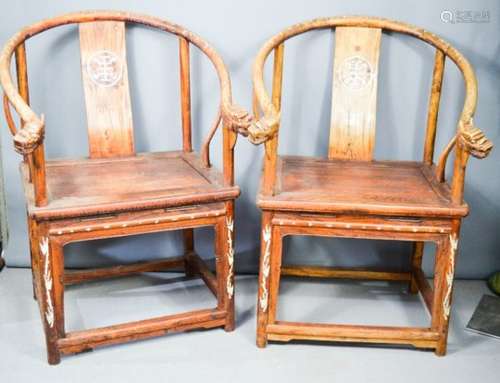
237	29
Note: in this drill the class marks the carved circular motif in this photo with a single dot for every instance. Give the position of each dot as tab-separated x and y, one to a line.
104	68
355	73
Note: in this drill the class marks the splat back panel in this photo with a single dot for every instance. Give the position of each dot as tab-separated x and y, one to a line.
354	94
105	83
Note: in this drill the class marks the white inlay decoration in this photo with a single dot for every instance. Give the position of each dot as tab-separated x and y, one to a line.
104	68
355	73
49	312
449	277
266	235
230	257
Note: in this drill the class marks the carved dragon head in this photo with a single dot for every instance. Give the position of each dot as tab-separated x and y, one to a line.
474	141
29	137
238	119
257	131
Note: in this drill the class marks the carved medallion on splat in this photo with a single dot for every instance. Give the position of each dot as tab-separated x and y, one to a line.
105	84
104	68
354	93
355	73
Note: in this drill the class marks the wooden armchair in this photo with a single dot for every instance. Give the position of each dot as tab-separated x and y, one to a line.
349	194
116	192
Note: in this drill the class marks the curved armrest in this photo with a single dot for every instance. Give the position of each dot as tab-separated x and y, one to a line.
474	141
29	137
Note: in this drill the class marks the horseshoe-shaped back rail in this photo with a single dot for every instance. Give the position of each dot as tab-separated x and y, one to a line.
471	141
28	140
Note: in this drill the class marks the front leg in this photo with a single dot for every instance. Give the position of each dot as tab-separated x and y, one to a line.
50	272
443	289
264	271
225	267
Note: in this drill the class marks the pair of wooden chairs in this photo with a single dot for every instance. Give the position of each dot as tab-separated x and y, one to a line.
116	192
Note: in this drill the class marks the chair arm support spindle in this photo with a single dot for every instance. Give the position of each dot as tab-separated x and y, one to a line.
205	148
441	164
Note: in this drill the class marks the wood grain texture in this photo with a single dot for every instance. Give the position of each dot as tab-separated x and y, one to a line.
78	341
354	94
22	73
116	193
72	277
424	288
185	79
432	114
378	187
344	273
416	264
150	180
350	195
286	331
224	238
264	270
266	126
8	115
271	146
105	83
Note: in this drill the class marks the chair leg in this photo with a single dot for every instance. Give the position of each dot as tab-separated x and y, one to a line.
275	273
416	264
264	270
443	289
188	236
33	258
51	287
224	244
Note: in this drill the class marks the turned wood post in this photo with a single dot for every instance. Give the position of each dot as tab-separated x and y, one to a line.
271	146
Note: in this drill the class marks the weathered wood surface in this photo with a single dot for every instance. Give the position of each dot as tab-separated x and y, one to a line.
116	193
354	94
106	89
266	126
351	195
379	187
149	180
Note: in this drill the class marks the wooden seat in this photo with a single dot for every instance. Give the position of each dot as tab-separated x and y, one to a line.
150	180
349	194
377	187
116	192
